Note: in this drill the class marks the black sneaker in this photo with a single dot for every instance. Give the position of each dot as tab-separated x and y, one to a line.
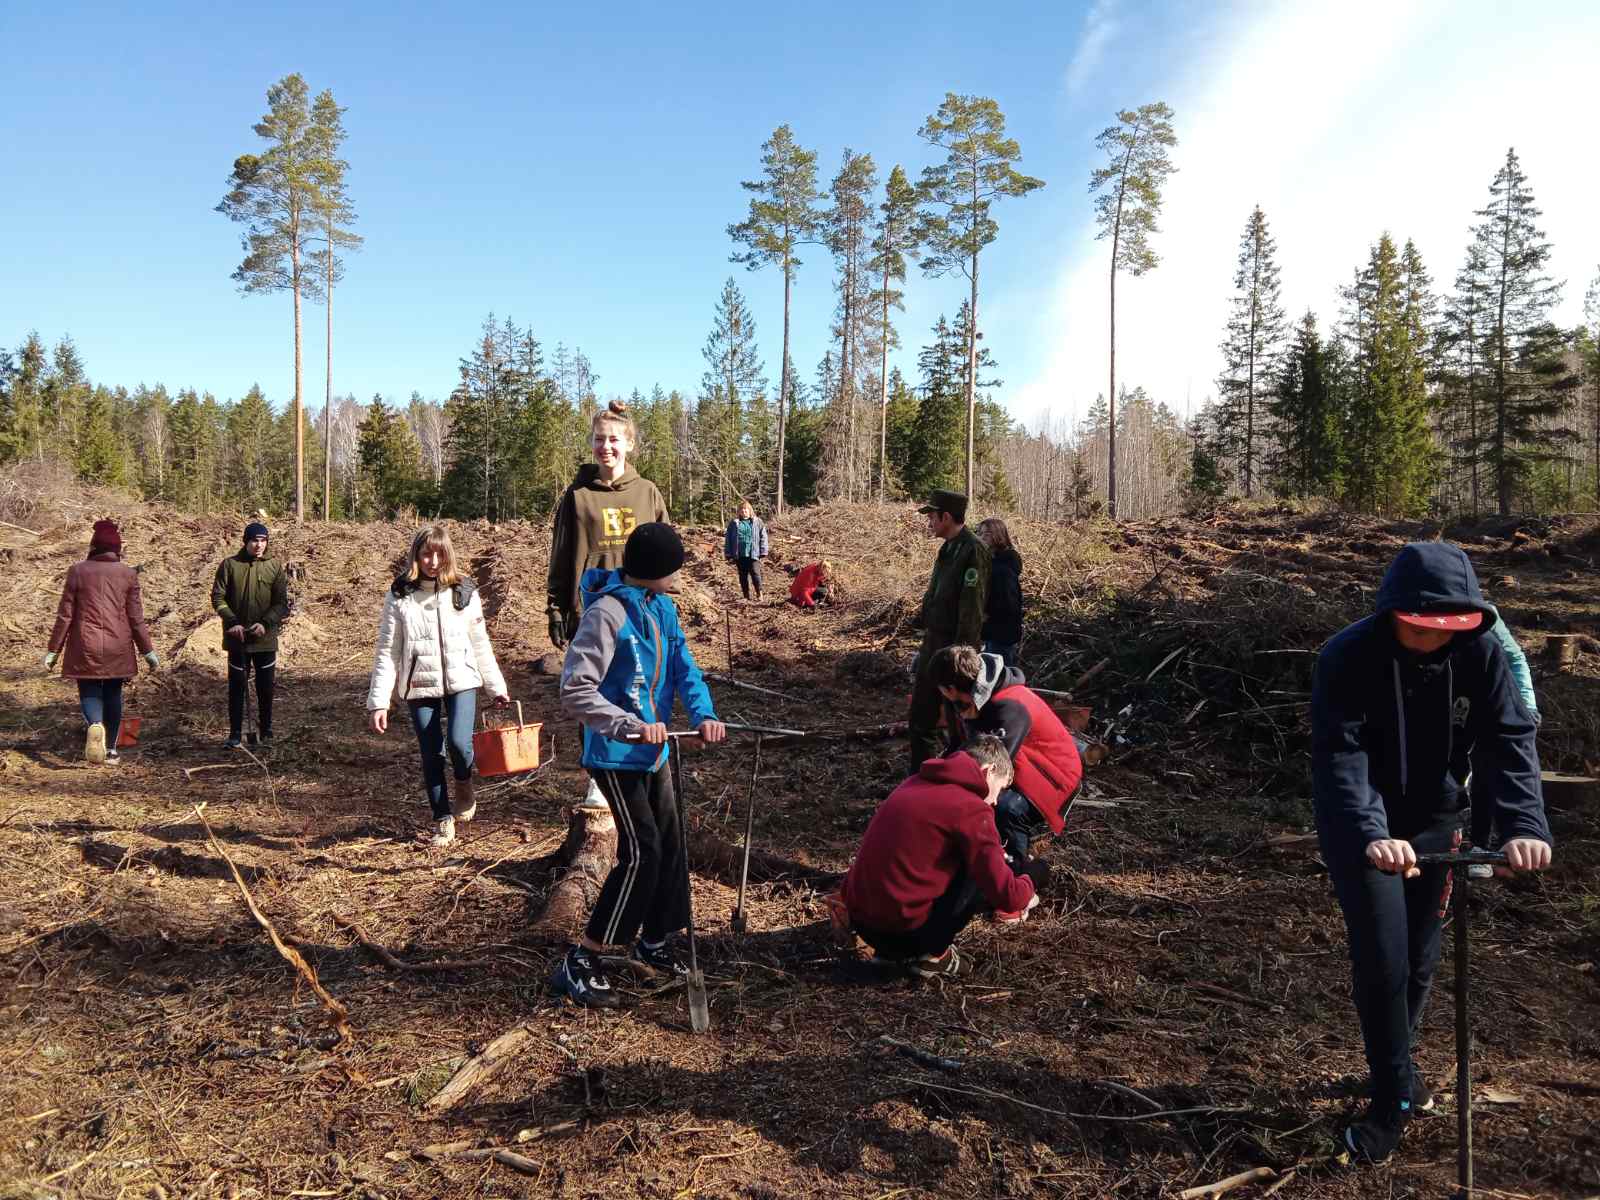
580	977
264	741
1377	1132
232	742
1421	1094
660	959
933	966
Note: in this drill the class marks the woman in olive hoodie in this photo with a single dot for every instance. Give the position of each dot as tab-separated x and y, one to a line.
606	501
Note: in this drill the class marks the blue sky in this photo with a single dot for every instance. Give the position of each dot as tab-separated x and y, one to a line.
576	169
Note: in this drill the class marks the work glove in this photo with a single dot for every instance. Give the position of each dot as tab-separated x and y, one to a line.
153	659
1037	870
558	628
50	659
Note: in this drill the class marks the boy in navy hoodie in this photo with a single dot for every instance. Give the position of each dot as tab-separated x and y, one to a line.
1397	697
627	662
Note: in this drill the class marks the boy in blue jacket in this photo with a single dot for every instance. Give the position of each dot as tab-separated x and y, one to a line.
626	664
1397	698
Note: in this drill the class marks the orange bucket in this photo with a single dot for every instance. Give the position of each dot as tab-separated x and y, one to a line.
128	734
507	749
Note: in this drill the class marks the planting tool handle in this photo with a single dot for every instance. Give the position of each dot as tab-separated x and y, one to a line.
1462	858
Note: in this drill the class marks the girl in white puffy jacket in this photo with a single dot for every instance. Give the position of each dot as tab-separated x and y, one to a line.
433	649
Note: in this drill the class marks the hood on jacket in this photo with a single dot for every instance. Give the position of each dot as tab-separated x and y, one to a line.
959	769
602	581
588	476
462	589
1434	577
993	676
1008	556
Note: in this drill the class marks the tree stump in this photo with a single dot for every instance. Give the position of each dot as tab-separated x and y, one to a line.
1561	651
585	860
1569	791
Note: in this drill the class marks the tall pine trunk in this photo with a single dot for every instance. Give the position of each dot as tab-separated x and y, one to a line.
327	403
972	378
883	401
299	420
1111	393
783	382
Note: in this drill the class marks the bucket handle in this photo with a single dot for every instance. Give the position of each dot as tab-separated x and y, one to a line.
485	716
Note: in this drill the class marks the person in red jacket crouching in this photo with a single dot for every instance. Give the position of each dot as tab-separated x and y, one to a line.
813	585
931	860
983	695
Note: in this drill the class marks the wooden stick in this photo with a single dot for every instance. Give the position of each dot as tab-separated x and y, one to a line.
728	613
477	1069
1203	1110
338	1014
399	964
1210	1191
191	772
926	1057
747	686
1090	674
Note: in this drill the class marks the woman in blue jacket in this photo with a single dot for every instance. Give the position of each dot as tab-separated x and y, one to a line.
1398	698
745	545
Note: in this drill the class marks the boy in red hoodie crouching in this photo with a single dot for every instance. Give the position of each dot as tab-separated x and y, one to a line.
931	860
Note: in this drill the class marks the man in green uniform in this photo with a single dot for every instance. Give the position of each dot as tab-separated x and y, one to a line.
952	611
251	595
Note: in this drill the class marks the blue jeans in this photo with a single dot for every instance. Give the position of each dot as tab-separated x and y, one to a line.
101	702
1018	823
1006	650
444	723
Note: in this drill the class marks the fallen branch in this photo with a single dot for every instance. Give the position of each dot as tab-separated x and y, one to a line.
338	1014
389	959
1210	1191
1090	674
1223	993
191	772
747	686
925	1057
989	1093
477	1070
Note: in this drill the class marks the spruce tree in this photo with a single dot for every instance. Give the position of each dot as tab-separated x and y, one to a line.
1522	347
731	390
1306	423
958	198
247	468
783	216
1463	380
388	454
275	196
1125	209
1251	351
22	436
99	457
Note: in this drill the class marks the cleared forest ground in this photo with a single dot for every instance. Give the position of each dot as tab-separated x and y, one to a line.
152	1041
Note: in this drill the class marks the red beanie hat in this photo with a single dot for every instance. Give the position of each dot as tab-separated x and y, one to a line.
106	536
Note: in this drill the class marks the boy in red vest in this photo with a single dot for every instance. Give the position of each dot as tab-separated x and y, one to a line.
983	695
930	860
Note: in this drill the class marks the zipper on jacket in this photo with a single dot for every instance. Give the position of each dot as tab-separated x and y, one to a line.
444	666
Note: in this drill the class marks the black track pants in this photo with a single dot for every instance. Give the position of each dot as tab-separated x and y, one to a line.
645	889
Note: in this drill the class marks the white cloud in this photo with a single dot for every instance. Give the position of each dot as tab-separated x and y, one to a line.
1100	25
1338	138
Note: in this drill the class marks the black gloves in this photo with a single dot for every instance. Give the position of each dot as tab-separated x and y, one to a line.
558	628
1037	870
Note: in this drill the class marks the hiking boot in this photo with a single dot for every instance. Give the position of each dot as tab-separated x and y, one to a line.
94	743
232	742
935	966
465	807
1374	1135
660	959
444	833
1422	1100
580	978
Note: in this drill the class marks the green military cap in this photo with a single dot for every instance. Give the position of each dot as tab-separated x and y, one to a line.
953	503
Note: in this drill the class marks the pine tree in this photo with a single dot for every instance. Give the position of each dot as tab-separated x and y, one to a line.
275	196
1590	342
847	233
334	216
783	216
1522	348
1306	422
895	238
956	222
1129	200
1250	351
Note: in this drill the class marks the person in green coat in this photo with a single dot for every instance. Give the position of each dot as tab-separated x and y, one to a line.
251	595
952	611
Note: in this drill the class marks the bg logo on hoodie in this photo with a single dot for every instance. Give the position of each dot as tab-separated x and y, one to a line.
617	522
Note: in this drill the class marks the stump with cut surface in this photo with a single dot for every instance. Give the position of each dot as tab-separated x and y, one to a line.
1561	651
1570	791
584	860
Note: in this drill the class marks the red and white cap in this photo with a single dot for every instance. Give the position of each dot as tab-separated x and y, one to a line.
1450	622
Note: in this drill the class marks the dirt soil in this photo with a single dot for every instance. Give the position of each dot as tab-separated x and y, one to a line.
1176	1011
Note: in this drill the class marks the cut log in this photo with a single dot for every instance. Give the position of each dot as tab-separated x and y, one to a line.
1569	791
583	862
710	855
475	1071
1561	651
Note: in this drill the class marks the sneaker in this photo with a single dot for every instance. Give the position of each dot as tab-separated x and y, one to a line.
264	740
594	797
444	832
660	959
113	758
1422	1100
465	806
1477	871
94	743
933	966
580	978
1018	917
232	742
1375	1134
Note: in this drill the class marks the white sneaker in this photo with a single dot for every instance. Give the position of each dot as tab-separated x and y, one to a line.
113	758
94	743
444	833
594	798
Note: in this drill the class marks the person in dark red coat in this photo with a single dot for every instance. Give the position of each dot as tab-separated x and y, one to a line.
931	859
98	623
983	695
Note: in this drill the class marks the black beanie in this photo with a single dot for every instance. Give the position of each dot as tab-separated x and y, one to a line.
254	529
654	551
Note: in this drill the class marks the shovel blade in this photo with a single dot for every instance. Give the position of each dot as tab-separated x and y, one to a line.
699	1009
